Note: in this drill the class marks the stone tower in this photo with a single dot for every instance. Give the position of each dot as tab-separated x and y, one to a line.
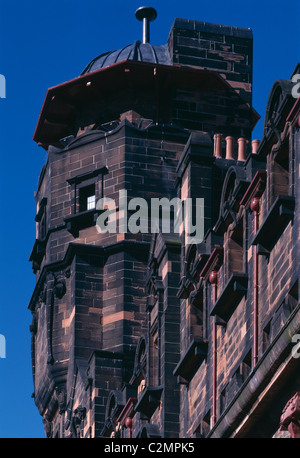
110	353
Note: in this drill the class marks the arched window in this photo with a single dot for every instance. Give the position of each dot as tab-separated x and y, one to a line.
140	373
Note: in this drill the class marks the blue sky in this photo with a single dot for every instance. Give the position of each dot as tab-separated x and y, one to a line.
43	44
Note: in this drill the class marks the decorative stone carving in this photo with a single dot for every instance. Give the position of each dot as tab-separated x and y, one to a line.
61	398
290	418
60	283
76	422
43	295
59	288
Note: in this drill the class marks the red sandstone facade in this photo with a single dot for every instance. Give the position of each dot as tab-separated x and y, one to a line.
143	335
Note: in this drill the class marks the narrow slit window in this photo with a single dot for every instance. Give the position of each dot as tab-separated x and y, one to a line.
87	198
42	226
91	202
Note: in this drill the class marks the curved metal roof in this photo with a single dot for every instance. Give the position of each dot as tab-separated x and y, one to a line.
142	52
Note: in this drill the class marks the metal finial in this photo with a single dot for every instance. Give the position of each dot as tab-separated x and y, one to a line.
146	14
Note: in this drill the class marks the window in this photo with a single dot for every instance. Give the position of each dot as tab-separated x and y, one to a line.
205	424
154	358
266	336
234	385
43	226
39	248
222	400
279	173
196	321
194	311
293	297
236	250
140	367
41	219
86	190
203	428
246	364
87	198
91	202
239	376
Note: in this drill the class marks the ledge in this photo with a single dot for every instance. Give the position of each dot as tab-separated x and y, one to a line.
255	189
230	297
85	176
82	220
278	217
149	400
127	410
38	251
192	359
185	288
132	246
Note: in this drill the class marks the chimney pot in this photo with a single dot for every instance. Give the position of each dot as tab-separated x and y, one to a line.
229	147
218	145
241	149
255	145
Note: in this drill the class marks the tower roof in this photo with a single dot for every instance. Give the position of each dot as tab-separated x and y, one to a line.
142	52
138	51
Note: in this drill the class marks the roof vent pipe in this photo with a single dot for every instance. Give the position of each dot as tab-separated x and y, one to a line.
146	14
